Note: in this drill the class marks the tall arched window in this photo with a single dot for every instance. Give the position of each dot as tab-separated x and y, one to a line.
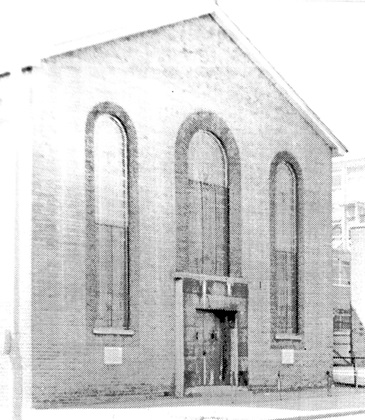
286	247
111	211
208	205
111	217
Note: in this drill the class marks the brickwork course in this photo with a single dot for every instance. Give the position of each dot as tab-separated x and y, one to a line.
161	79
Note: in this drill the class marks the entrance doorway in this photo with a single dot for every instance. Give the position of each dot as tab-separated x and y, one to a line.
216	348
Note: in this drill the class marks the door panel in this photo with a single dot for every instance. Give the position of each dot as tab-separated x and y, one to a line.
213	348
208	351
212	338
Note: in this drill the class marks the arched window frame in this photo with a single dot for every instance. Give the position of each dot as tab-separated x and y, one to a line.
208	205
216	141
277	333
211	123
95	316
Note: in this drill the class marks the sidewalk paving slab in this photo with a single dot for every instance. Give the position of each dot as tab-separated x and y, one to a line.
240	405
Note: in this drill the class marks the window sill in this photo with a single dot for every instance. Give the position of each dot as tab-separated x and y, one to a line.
341	285
290	337
341	332
113	331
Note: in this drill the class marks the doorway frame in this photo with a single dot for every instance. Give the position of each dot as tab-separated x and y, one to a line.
233	359
207	303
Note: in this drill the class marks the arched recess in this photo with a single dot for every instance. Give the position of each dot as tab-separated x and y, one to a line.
214	126
286	247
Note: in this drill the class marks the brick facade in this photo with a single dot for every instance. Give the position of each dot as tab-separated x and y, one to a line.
160	78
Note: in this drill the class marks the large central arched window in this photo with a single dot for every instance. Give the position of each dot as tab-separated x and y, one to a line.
208	197
208	205
286	247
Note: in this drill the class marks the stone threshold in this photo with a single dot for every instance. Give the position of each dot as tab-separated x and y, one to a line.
214	390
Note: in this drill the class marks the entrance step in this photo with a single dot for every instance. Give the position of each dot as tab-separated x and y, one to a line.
214	391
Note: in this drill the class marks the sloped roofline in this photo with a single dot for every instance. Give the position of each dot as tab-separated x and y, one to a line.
232	30
243	43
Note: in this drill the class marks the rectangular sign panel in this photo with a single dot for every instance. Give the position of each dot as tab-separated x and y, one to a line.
113	355
287	356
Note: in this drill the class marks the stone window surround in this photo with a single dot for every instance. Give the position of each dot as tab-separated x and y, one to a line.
282	340
211	123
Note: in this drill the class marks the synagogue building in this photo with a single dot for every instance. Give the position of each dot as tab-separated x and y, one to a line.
180	220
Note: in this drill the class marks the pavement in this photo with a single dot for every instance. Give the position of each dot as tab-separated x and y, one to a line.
344	403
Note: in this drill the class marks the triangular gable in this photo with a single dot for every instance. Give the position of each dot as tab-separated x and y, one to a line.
243	43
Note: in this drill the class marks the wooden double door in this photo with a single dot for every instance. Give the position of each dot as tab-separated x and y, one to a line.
216	346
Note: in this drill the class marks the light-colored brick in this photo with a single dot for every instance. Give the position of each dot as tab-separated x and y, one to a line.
159	78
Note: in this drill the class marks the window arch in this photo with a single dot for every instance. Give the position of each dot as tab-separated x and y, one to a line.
110	212
285	188
208	191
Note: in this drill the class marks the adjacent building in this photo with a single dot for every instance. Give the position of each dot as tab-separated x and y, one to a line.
348	222
348	199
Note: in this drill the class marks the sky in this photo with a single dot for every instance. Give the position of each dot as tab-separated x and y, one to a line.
317	46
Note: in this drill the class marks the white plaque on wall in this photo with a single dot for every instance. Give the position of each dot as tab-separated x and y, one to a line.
113	355
287	356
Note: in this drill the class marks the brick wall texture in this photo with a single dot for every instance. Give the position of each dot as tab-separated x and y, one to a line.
159	78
